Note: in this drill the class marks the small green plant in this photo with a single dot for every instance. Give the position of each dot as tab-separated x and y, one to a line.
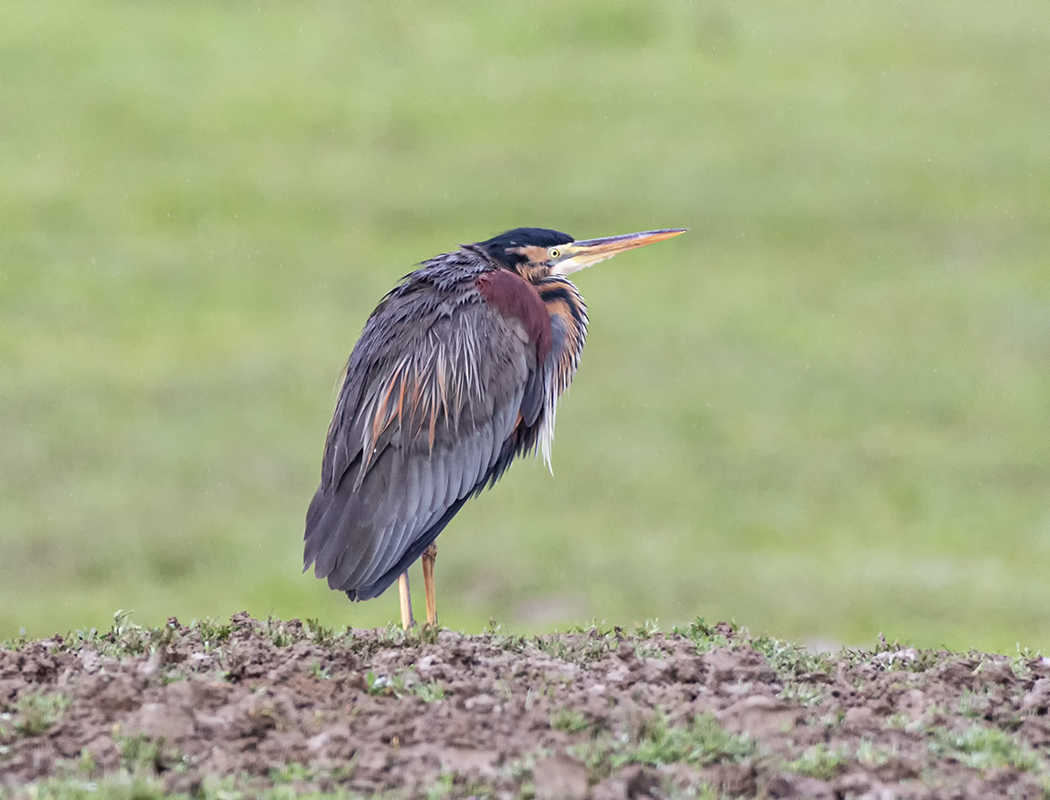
705	637
974	705
318	633
442	787
290	773
982	747
143	754
124	637
647	629
1021	662
521	769
277	631
121	785
900	721
17	643
122	623
789	660
819	761
319	671
429	692
872	755
645	650
581	648
568	720
211	633
138	752
393	634
704	792
702	741
393	685
699	742
833	719
86	763
36	713
804	694
500	639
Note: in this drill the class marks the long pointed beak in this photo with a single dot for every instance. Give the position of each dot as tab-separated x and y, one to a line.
585	253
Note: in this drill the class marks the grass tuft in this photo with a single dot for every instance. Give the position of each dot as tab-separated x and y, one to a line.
39	712
699	741
983	747
568	720
819	761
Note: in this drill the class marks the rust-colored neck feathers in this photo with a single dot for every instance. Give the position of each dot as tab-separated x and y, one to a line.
516	298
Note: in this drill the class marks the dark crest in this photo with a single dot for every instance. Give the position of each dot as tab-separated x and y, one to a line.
499	247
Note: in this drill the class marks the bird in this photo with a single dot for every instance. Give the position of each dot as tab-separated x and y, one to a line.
457	372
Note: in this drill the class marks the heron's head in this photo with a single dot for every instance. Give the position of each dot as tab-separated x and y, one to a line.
537	253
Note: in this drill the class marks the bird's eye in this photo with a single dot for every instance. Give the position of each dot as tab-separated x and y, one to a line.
554	252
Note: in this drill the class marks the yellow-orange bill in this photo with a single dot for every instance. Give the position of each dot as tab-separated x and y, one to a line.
587	252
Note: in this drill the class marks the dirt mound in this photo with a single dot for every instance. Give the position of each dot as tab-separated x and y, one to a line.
270	708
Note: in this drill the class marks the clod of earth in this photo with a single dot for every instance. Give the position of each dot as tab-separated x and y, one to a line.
272	708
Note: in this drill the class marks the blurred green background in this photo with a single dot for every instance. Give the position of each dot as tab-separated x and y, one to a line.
823	413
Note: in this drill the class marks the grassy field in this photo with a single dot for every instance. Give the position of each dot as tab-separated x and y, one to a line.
823	413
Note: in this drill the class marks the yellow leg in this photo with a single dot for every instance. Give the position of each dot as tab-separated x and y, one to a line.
429	557
406	601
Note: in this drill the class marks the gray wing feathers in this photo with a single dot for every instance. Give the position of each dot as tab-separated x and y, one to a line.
440	436
444	477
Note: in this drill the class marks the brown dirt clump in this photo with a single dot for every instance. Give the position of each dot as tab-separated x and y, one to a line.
271	708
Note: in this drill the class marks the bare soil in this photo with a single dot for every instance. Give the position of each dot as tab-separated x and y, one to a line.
271	708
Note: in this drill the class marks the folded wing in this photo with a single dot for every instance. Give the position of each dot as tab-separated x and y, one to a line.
441	393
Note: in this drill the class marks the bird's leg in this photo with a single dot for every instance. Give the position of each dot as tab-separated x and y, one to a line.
406	601
429	557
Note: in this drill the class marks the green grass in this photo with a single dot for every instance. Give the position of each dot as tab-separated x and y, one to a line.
699	741
135	786
984	748
703	741
568	720
821	413
37	713
819	761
